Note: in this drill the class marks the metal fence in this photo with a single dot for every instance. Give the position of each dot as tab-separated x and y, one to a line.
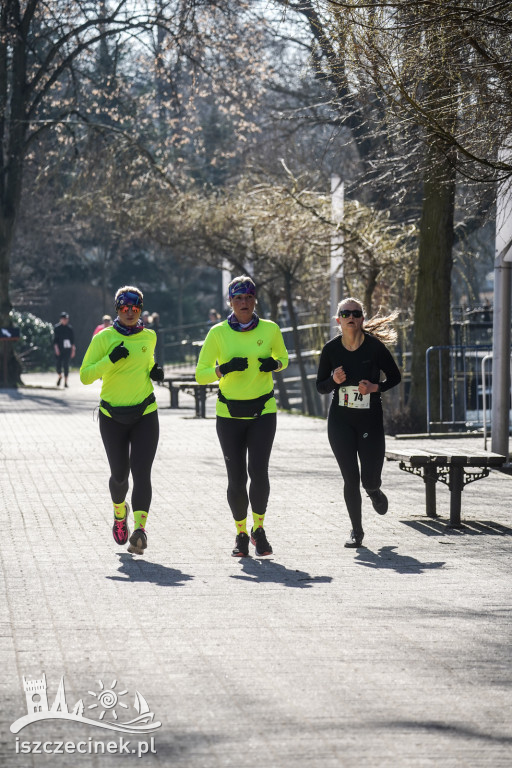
458	385
457	394
181	347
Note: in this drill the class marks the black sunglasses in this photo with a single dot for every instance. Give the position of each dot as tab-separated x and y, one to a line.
348	312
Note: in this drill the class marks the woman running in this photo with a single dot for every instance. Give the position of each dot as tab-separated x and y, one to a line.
350	367
243	351
123	357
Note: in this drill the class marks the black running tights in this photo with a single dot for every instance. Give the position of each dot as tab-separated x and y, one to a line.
130	447
246	445
62	362
354	434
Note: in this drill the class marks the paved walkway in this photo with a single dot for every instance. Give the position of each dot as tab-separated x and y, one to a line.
397	654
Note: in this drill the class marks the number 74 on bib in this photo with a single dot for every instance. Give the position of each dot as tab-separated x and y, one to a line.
351	397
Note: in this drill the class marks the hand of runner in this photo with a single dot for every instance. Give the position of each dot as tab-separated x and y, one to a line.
156	373
339	375
268	364
119	352
235	364
367	387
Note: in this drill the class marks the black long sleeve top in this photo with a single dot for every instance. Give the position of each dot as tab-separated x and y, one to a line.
63	336
366	362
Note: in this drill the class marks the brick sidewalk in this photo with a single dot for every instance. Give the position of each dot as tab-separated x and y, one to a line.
397	654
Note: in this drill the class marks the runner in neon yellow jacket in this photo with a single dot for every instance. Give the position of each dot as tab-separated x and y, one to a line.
243	352
127	381
123	357
223	344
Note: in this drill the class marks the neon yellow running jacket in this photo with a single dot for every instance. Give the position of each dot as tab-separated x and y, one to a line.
126	382
223	343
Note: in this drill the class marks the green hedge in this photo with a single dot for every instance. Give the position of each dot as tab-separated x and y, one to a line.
34	350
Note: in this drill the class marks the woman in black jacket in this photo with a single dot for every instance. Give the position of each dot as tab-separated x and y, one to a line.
350	367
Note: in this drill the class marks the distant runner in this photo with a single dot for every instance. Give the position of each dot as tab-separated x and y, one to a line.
64	347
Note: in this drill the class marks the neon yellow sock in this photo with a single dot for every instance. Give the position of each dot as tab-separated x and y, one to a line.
258	521
139	519
120	510
241	525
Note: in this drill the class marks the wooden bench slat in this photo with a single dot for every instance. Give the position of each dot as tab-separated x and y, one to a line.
477	459
449	468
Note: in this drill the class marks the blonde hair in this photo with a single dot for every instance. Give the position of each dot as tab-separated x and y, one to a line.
378	325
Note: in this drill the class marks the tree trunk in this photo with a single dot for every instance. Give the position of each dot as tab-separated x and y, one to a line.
6	232
369	290
433	290
13	126
9	378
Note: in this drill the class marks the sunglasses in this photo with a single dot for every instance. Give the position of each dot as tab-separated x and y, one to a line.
351	312
126	308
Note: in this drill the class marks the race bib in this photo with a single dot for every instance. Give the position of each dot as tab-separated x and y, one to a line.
66	344
350	397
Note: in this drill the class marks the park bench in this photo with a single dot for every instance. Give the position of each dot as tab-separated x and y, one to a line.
189	385
448	468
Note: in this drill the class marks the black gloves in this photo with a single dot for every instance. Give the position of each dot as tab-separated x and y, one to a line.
268	364
235	364
240	364
119	352
156	373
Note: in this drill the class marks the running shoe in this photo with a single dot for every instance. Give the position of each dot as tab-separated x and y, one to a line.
260	541
241	546
379	501
120	530
59	381
138	542
356	540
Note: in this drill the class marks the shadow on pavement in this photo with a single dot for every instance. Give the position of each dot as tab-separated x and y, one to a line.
451	729
269	571
441	527
29	396
387	558
46	403
154	573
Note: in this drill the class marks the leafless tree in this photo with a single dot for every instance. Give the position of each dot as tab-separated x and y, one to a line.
424	88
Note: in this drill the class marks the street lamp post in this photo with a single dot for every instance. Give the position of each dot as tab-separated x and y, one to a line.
500	419
336	271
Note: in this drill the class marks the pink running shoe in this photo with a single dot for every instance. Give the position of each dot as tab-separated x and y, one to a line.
120	530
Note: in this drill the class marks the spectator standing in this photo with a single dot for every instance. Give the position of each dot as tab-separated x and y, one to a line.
154	324
106	322
146	319
64	347
213	318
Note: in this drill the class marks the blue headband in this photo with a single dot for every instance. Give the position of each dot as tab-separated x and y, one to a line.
128	297
242	286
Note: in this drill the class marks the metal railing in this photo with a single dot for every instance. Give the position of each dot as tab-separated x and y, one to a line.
458	389
487	389
182	344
